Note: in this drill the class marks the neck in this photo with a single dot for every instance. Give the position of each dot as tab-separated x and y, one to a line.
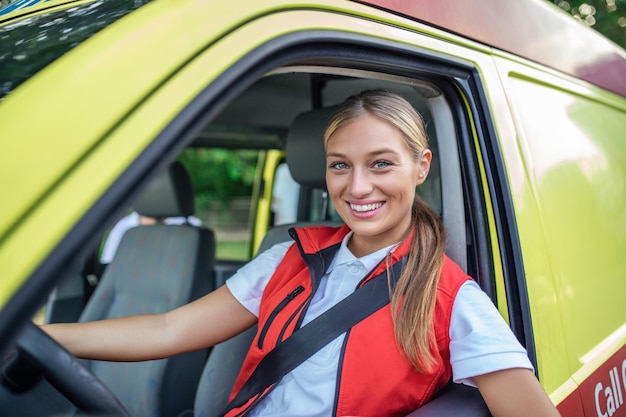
360	249
364	245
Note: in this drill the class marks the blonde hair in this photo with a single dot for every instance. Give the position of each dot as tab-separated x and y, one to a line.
413	297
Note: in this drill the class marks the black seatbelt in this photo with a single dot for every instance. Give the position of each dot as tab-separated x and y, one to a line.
303	343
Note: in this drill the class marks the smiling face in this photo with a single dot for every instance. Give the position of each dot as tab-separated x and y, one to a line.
371	174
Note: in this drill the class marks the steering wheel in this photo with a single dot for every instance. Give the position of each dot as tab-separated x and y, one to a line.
65	373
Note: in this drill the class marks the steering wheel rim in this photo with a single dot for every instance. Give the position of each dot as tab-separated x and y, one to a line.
65	372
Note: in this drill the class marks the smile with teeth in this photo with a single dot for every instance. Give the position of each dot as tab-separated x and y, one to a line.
365	207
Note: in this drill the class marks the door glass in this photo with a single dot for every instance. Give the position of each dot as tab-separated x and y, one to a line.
223	181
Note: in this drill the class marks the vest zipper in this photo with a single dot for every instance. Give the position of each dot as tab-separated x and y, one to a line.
293	294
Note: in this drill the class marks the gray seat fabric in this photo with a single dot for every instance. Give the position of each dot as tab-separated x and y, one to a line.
170	195
304	147
219	374
155	269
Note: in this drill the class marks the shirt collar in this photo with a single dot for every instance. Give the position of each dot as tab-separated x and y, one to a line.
344	256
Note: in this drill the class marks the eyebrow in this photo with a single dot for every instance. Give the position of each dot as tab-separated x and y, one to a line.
371	154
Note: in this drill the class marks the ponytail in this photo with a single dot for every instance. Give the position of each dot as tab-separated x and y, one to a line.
413	298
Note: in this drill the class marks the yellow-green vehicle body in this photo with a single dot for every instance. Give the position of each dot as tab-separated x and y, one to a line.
541	148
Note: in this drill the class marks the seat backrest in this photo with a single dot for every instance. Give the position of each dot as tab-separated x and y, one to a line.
304	147
155	269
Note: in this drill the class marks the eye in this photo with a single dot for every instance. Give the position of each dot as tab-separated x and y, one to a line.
338	165
381	163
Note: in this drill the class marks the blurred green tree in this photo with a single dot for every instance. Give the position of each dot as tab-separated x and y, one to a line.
218	175
606	16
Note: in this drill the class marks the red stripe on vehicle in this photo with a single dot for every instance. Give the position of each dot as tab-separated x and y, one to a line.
603	393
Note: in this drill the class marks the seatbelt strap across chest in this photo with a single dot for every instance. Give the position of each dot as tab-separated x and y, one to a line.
303	343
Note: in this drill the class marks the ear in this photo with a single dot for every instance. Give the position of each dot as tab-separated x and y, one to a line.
423	166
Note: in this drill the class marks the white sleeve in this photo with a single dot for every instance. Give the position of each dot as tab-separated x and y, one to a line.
248	283
480	340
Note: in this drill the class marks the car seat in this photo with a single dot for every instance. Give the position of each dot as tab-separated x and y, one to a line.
155	269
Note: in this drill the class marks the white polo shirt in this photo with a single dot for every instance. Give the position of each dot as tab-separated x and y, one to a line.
480	340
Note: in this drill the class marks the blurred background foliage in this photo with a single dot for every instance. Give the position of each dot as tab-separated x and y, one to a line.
220	175
606	16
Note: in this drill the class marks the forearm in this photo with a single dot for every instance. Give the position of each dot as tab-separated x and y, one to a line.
197	325
134	338
515	393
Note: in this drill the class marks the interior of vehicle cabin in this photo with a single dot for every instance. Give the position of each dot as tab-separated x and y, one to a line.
274	121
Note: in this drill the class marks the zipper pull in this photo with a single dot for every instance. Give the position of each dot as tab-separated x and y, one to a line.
295	292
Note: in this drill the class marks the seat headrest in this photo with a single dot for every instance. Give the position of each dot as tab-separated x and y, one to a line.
169	195
306	157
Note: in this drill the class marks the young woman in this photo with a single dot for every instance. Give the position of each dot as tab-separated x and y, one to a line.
439	324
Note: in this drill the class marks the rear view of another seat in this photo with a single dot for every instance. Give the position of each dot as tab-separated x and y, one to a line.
156	268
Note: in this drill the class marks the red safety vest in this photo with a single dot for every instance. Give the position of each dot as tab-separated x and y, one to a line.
375	377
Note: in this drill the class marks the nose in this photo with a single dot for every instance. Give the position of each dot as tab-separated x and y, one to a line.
360	184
